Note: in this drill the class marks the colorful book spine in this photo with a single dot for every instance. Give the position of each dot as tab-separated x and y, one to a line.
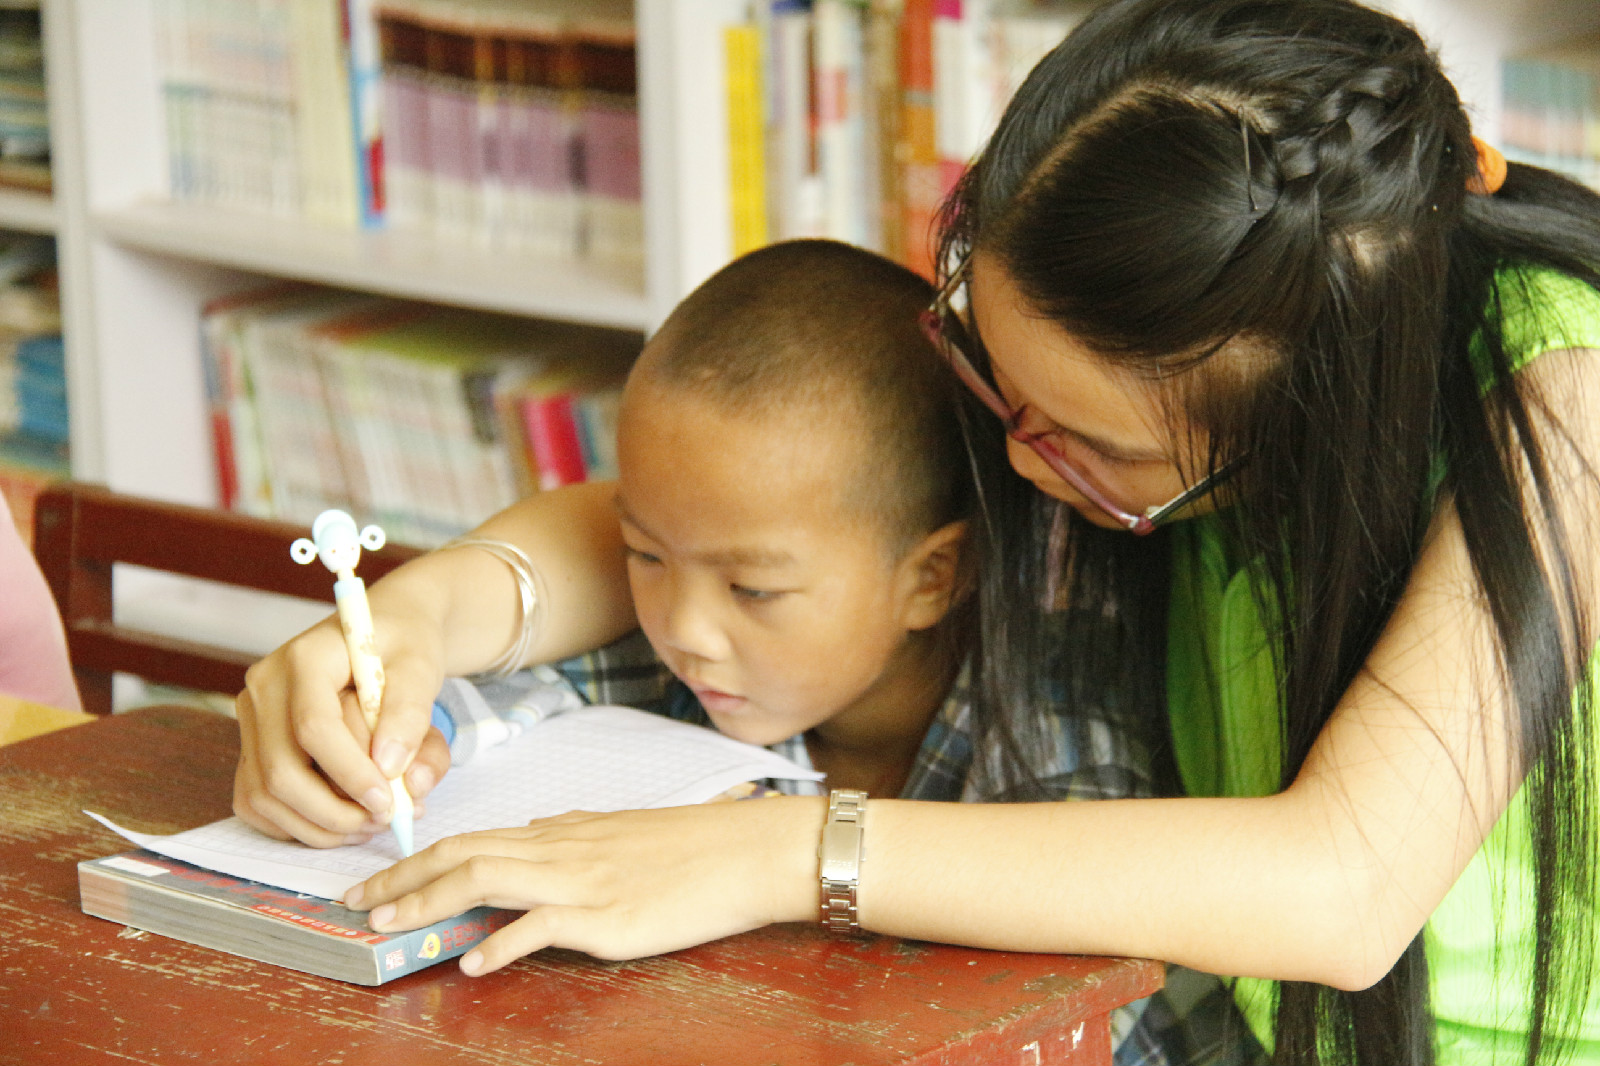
841	146
453	161
320	73
605	91
366	99
543	182
794	194
554	440
747	178
488	81
919	153
513	127
403	105
595	414
965	104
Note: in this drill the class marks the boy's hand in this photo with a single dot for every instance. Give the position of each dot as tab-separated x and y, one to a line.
305	751
616	886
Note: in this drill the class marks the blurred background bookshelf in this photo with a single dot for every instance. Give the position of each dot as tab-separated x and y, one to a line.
33	411
1551	108
34	425
555	167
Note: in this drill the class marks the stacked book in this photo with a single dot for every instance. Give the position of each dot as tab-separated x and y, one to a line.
291	929
422	418
1550	115
852	120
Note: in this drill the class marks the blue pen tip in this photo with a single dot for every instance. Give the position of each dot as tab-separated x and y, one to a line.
402	836
402	821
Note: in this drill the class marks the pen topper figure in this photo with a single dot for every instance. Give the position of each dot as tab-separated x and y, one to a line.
335	540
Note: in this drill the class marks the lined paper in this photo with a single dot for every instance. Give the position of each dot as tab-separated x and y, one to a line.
590	758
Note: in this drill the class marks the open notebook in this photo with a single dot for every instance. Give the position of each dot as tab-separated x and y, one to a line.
592	758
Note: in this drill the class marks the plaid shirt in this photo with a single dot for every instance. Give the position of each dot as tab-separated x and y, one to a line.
1191	1022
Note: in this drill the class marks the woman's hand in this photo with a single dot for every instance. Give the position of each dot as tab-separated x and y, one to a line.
615	886
308	766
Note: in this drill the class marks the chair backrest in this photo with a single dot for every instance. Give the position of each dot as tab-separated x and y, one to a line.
80	530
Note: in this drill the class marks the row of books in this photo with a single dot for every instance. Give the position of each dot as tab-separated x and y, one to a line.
421	418
513	127
1551	110
852	119
257	106
24	118
502	122
33	378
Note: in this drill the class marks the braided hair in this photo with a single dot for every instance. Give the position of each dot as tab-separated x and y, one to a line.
1179	173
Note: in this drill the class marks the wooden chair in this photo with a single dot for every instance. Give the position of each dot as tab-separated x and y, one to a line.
80	530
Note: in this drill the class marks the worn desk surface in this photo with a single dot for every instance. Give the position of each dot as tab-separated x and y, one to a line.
76	989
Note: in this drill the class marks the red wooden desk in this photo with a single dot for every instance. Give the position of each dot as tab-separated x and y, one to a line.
76	989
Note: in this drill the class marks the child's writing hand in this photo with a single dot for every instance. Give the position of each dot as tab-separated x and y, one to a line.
615	886
305	750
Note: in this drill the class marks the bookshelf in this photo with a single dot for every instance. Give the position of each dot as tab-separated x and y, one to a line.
136	268
27	212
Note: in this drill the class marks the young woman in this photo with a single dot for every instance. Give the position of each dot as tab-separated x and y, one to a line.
1250	250
1303	405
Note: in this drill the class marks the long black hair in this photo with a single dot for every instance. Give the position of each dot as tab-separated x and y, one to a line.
1293	173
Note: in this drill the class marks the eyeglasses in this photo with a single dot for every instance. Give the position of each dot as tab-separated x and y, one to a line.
944	326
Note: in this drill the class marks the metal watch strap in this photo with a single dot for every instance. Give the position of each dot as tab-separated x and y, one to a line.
840	852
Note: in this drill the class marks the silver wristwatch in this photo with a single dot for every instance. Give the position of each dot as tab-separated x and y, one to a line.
840	852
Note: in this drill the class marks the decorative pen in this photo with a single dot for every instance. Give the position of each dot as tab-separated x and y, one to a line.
335	541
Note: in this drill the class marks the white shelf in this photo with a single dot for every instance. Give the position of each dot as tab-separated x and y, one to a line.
391	262
30	212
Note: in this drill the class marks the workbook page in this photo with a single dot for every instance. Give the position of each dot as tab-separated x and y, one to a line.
591	758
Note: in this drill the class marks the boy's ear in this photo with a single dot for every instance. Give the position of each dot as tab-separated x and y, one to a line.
935	576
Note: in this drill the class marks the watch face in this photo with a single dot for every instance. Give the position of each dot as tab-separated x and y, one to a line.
840	851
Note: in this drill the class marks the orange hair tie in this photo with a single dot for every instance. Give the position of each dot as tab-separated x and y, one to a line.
1491	172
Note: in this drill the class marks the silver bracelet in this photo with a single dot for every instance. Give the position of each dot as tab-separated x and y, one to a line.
530	600
839	853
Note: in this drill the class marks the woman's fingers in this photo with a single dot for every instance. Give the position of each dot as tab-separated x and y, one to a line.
446	878
540	928
563	909
615	886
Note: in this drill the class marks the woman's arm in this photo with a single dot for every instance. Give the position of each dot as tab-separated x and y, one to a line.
1327	881
447	613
